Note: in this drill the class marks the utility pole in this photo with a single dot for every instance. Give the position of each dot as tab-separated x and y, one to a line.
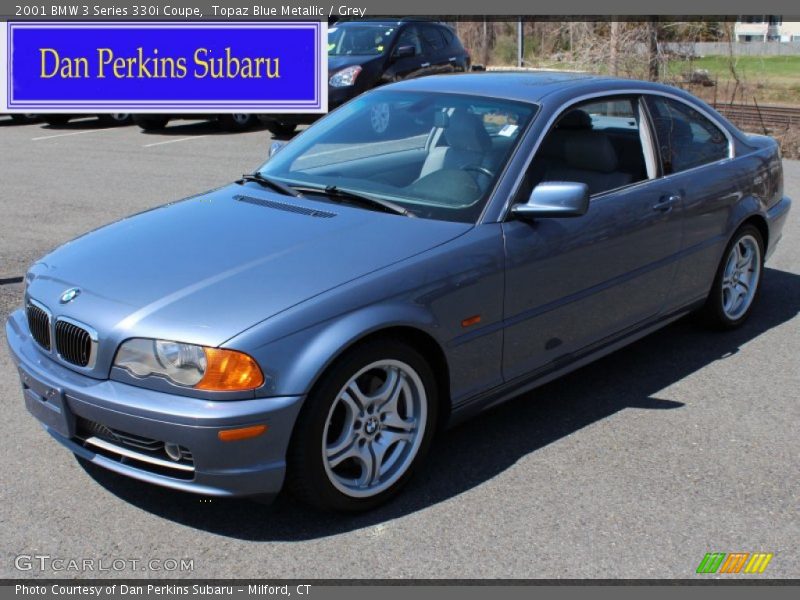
485	43
652	42
614	48
520	43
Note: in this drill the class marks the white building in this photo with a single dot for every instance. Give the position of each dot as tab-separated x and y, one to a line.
766	28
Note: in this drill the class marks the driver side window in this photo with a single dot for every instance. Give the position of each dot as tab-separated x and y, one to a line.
410	37
598	143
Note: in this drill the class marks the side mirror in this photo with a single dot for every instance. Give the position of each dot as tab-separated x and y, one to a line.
554	199
275	147
404	52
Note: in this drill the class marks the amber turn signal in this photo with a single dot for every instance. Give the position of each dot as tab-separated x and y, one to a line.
243	433
228	370
473	320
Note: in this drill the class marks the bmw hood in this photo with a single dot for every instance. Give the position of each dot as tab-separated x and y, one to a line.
204	269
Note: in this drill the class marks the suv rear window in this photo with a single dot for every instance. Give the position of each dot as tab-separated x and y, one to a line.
434	38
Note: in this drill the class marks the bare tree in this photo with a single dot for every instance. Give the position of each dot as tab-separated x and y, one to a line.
652	49
614	48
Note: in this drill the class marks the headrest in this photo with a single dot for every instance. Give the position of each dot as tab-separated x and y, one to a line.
465	131
590	151
575	119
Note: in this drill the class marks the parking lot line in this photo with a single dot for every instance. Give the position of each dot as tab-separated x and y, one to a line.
194	137
58	135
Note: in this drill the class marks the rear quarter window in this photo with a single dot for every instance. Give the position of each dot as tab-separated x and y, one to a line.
686	138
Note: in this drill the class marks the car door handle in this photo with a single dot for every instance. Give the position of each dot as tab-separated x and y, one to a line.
425	64
452	59
667	203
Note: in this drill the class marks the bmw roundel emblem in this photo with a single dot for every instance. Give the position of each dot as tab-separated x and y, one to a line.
69	295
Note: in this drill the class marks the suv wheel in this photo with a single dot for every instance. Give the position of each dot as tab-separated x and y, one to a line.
115	119
379	117
237	121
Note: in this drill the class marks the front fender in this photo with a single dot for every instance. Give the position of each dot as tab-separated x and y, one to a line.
433	293
297	361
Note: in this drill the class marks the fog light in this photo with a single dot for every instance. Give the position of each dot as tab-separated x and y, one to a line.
173	451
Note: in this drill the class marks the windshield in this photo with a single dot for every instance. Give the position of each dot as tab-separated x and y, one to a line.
360	40
437	155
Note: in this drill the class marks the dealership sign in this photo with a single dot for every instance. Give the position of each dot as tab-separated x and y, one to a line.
163	67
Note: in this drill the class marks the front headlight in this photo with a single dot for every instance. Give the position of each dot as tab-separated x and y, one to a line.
346	77
198	367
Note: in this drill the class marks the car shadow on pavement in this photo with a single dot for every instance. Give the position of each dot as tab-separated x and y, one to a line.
482	448
78	123
199	127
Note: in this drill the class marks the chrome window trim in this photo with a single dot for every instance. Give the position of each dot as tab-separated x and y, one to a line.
93	336
505	209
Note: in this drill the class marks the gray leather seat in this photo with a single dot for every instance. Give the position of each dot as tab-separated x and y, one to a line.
468	143
587	157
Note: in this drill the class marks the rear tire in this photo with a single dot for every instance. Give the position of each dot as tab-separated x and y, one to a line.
364	429
737	281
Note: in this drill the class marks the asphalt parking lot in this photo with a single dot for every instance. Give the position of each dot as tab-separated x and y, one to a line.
634	467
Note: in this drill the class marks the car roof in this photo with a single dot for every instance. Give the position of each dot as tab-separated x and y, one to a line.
525	86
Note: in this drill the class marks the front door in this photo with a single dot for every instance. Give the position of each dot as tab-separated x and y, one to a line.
573	284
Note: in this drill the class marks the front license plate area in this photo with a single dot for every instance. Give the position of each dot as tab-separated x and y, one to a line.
47	405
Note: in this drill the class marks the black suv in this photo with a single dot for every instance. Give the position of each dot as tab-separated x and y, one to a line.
365	54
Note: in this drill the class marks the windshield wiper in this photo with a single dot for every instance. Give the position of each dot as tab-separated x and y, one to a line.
337	193
273	184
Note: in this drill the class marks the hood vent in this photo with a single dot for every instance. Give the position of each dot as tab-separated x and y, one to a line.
292	208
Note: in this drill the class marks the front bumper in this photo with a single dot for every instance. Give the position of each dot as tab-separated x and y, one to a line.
62	400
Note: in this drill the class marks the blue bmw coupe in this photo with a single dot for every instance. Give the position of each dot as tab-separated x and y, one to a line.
315	323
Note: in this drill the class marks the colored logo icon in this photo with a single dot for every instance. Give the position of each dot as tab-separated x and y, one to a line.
735	562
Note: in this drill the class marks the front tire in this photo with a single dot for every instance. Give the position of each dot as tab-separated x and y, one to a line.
737	282
364	429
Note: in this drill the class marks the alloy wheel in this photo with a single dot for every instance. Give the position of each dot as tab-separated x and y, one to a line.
379	117
741	276
374	428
